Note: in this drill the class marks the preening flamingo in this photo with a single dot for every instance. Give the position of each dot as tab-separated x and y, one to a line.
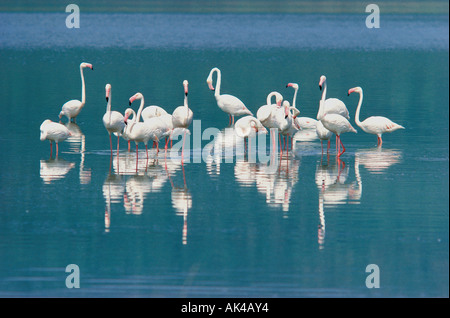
54	132
153	111
323	134
266	113
72	108
376	125
283	120
248	126
182	116
113	120
337	124
228	103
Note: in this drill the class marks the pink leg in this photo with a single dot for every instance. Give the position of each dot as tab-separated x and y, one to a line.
118	143
110	143
57	150
129	149
51	149
146	150
329	142
232	116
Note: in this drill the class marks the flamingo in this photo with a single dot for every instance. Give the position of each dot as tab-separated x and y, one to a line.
266	113
72	108
283	119
323	134
228	103
112	120
337	124
302	122
332	105
54	132
182	116
142	131
376	125
248	126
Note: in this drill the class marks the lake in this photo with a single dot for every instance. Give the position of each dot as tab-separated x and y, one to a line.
224	226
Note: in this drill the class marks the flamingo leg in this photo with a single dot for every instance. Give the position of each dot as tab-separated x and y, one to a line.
118	139
182	147
146	150
343	148
110	143
56	150
232	116
321	145
129	145
229	120
51	149
279	139
329	142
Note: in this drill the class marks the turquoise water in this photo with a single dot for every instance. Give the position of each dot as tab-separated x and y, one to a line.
218	229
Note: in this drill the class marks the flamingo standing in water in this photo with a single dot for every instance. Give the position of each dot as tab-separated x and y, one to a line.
112	120
142	131
73	107
266	113
283	120
54	132
335	123
376	125
182	116
323	134
228	103
248	126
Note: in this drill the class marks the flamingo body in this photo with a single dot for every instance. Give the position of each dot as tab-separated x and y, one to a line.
248	126
153	111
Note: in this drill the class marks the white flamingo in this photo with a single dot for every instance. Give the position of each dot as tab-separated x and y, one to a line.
112	120
376	125
323	134
72	108
283	120
337	124
332	105
53	132
142	131
231	105
248	126
266	113
302	122
182	116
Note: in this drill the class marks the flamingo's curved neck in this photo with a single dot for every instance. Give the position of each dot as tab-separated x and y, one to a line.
141	107
320	113
357	121
219	80
83	89
133	121
324	93
269	98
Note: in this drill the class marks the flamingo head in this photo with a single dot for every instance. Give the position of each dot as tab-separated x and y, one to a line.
293	85
61	113
108	91
321	81
185	85
83	65
209	81
354	89
286	106
128	112
134	97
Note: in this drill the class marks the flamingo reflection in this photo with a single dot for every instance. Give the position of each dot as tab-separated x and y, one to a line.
54	169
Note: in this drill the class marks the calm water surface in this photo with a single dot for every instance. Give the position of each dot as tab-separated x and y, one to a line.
217	229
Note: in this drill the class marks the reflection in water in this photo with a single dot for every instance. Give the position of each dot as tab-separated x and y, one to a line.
54	169
77	144
222	147
181	202
331	180
113	189
277	187
377	160
133	189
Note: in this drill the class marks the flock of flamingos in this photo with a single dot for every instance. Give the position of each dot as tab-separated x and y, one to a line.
157	124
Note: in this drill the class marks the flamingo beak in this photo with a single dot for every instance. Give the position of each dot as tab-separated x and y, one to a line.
351	90
126	118
210	86
90	66
279	103
132	99
320	87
